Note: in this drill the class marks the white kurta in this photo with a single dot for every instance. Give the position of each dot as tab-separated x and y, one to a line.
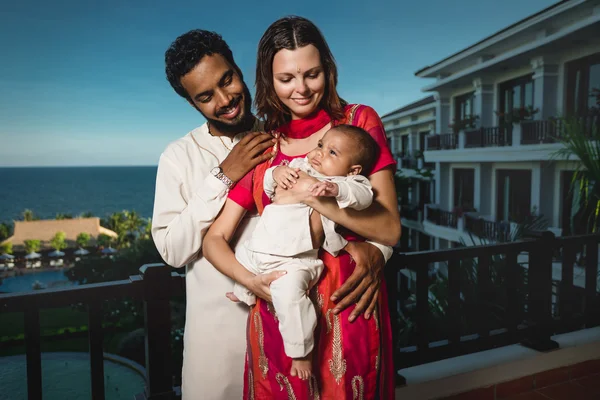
187	201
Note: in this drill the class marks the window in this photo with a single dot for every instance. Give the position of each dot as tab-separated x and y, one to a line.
514	194
464	106
422	138
404	143
516	94
464	188
583	86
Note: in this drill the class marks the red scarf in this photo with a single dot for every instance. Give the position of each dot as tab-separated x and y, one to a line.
303	128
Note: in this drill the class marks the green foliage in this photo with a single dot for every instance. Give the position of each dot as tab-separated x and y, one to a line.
581	141
87	215
128	225
6	248
104	240
83	239
124	264
32	245
64	216
5	231
28	215
58	241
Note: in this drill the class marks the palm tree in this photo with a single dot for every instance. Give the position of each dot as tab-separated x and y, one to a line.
28	215
581	141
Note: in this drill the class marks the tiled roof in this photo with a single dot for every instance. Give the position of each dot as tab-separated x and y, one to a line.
44	230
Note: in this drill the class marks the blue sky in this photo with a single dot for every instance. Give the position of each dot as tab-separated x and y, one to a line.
82	82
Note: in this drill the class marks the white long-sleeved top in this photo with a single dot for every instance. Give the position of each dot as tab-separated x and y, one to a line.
187	201
354	192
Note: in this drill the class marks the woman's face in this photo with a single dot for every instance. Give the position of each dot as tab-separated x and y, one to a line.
299	79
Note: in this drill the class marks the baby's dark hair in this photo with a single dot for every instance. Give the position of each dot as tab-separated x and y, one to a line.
368	149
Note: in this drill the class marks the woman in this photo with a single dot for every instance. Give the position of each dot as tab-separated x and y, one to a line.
296	95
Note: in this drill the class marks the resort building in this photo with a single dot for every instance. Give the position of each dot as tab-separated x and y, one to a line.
44	231
493	141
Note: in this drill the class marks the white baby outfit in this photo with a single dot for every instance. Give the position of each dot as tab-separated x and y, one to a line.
282	241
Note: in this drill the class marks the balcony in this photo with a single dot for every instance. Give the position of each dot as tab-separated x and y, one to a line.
527	141
475	317
493	231
155	286
511	303
549	131
441	217
488	137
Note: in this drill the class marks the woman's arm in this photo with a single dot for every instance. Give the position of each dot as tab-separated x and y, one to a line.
218	252
368	222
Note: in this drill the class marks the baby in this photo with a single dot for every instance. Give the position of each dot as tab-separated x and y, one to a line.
282	239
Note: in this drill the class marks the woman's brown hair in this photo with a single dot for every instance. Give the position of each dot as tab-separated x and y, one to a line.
291	33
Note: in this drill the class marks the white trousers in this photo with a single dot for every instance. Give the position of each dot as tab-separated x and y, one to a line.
295	311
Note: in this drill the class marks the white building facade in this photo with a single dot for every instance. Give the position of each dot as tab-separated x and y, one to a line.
494	144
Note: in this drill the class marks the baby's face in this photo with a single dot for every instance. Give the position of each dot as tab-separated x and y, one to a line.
334	154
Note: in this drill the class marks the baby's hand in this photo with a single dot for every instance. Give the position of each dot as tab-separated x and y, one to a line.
324	188
284	176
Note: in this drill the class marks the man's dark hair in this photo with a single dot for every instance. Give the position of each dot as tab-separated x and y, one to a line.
368	149
187	51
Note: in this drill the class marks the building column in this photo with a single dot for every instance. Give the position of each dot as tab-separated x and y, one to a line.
484	103
545	88
442	113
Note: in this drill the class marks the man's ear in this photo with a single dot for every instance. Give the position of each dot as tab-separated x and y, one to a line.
355	170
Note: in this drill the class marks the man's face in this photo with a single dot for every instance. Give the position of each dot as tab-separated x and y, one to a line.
218	92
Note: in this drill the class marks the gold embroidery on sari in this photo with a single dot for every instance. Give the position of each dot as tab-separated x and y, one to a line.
358	388
282	380
271	309
376	318
263	363
327	315
250	385
377	363
313	386
337	364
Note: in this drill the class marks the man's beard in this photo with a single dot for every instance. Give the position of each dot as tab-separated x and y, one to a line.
243	122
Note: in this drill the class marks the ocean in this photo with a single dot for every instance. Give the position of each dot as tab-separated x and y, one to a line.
48	191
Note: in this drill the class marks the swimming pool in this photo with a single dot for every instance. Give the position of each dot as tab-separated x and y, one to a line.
24	283
66	376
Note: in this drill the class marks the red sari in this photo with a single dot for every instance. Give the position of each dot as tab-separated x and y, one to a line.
351	360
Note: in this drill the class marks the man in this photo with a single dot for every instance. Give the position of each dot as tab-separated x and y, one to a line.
192	183
194	176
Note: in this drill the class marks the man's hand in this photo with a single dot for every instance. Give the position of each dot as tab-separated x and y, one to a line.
285	176
325	188
362	286
247	154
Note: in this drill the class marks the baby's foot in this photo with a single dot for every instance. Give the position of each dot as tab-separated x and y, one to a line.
302	367
232	297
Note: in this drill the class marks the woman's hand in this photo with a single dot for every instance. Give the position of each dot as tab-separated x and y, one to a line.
362	286
260	284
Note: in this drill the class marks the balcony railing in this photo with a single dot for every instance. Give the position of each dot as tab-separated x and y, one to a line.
488	137
535	132
433	142
491	230
409	162
550	131
441	217
154	286
409	212
490	298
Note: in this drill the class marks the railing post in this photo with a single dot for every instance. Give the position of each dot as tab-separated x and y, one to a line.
591	277
157	316
540	295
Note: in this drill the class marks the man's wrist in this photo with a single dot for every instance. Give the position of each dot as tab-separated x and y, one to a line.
218	173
